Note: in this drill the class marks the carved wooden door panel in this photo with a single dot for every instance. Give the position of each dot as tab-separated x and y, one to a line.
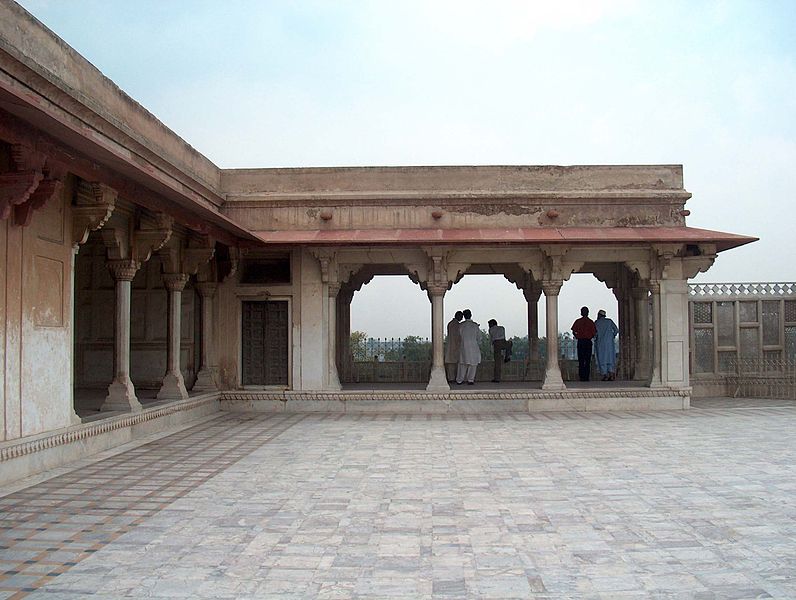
265	337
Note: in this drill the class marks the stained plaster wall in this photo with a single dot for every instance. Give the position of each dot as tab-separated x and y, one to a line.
95	301
35	330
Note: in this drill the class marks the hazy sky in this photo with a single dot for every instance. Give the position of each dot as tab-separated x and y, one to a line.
709	85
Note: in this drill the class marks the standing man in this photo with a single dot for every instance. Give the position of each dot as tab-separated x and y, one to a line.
469	353
454	343
501	348
604	346
584	331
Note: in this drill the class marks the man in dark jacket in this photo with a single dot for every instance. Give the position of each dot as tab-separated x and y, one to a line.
584	330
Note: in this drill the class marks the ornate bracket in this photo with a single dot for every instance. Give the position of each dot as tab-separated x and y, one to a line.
662	255
19	187
151	237
139	245
328	262
187	259
554	267
94	204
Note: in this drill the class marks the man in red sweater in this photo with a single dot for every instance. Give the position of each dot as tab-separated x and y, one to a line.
584	330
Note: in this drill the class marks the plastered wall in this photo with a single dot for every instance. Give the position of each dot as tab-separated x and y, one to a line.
35	329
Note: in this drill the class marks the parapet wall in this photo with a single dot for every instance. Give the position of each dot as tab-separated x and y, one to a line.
455	197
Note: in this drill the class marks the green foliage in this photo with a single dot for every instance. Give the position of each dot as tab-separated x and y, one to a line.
359	348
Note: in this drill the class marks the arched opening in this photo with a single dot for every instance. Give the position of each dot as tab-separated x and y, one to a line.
585	290
493	296
384	326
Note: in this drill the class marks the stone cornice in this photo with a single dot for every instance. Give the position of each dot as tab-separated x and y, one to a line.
450	199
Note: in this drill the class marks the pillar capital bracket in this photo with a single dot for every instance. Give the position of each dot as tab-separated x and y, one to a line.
551	288
328	261
151	237
175	282
29	185
123	269
93	205
640	292
206	289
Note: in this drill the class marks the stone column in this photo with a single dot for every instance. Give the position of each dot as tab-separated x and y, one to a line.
205	378
333	377
121	393
173	387
625	363
532	293
655	376
552	375
642	324
73	417
438	381
344	297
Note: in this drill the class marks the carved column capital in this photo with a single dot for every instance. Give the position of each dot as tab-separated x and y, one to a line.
532	291
333	289
123	269
655	286
206	289
436	289
551	288
175	282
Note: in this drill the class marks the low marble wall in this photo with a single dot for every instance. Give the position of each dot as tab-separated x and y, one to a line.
35	454
473	402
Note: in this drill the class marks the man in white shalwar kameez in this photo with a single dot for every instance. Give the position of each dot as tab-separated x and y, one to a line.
470	353
452	346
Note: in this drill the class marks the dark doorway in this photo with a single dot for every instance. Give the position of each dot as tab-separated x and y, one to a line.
265	343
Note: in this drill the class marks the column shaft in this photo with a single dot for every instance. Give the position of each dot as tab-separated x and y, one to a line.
655	377
333	376
552	375
642	335
173	387
205	378
438	381
121	393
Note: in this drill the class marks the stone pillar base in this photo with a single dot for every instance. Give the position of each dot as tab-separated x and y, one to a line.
173	387
205	381
553	380
121	396
438	382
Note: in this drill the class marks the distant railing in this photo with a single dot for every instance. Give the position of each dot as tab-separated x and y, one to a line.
742	289
408	360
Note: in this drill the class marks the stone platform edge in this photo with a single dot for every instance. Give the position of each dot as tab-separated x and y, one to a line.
31	455
488	401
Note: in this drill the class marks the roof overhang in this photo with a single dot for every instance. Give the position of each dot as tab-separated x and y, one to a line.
538	235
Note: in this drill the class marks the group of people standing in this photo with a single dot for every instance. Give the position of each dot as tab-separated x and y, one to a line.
462	353
603	331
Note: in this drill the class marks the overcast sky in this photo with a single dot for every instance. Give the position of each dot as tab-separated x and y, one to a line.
709	85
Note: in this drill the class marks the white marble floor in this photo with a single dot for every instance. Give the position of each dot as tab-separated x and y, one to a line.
685	504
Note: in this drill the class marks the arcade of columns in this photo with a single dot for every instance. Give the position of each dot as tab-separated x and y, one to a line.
128	247
635	275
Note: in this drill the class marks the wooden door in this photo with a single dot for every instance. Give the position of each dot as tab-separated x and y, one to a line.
265	343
